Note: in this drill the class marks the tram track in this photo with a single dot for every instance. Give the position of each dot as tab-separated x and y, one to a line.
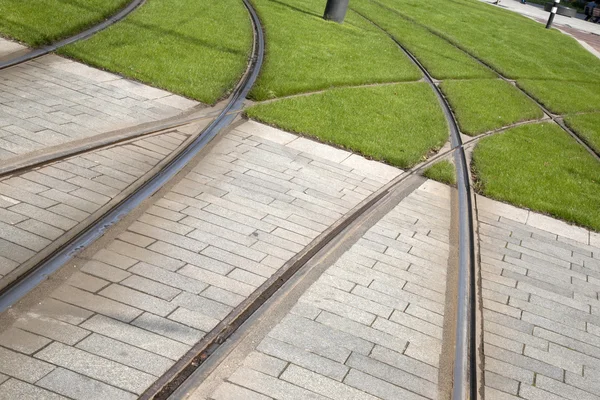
557	119
35	53
78	241
464	367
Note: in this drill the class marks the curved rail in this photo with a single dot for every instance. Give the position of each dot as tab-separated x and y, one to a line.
465	369
80	36
555	118
13	293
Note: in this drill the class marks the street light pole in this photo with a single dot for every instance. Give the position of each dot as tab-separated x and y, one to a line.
552	14
336	10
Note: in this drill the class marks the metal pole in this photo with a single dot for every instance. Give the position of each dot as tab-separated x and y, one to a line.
552	14
336	10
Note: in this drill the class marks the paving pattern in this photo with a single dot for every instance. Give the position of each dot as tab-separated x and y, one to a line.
541	317
371	326
138	304
52	100
39	206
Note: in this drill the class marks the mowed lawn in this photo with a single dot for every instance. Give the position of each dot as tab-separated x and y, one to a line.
540	167
198	49
306	53
39	22
399	124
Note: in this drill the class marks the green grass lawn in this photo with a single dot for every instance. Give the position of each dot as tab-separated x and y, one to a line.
587	127
39	22
540	167
306	53
399	124
516	46
487	104
198	49
563	97
442	171
442	60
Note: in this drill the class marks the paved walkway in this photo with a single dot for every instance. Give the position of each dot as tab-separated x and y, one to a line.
370	327
122	313
52	100
40	206
541	317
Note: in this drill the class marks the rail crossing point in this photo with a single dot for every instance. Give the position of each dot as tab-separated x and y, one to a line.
552	14
335	10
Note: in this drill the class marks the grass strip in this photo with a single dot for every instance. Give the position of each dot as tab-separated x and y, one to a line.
539	166
399	124
40	22
198	49
487	104
563	97
442	60
587	127
516	46
442	171
306	53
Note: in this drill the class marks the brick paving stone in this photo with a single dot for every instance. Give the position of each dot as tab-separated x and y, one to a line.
15	389
199	251
80	387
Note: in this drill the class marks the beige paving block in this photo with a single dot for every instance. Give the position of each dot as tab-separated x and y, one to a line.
558	227
321	150
267	132
376	170
501	209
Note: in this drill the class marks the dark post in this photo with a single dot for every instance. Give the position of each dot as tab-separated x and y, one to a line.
552	14
336	10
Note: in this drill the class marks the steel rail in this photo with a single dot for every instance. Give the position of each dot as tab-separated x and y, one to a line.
80	36
17	290
465	368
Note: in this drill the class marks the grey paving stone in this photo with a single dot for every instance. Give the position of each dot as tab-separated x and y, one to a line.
271	386
138	299
509	370
125	354
105	271
11	218
191	257
321	385
494	394
114	259
44	216
534	393
220	281
22	341
222	296
228	391
22	237
265	364
135	239
405	363
41	229
86	282
146	256
524	362
167	328
378	388
201	304
14	252
23	367
169	278
51	328
301	357
96	303
80	387
166	236
150	287
135	336
69	212
501	383
70	200
400	378
565	391
58	310
43	177
194	319
15	389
